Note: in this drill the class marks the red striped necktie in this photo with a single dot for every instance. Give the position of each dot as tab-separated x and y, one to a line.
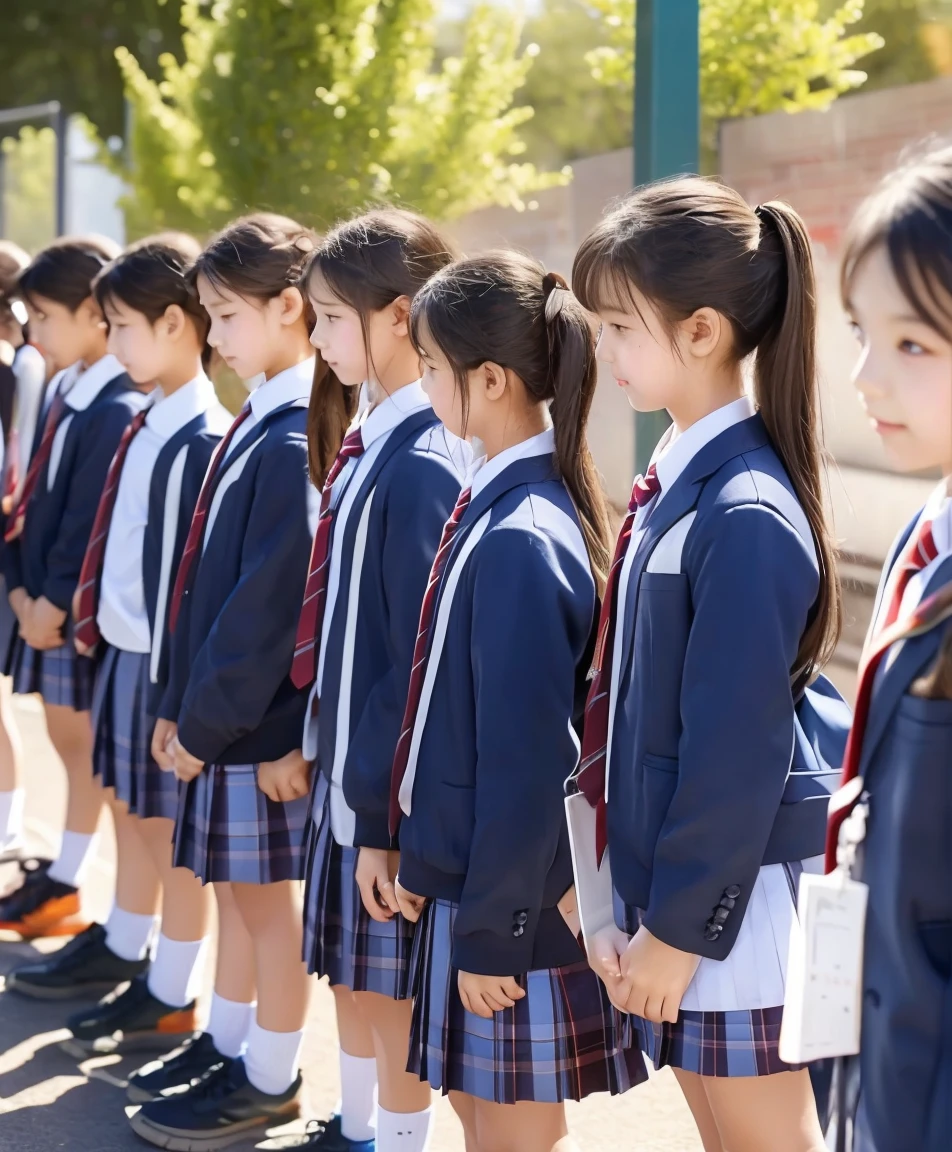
193	542
90	576
55	414
591	777
920	552
418	671
311	620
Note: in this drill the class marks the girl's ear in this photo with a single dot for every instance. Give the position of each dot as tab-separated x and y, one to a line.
400	316
174	321
89	313
292	306
495	380
702	332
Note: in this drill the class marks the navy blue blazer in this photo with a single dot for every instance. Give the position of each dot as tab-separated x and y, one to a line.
229	686
46	559
714	769
487	827
906	766
173	493
411	489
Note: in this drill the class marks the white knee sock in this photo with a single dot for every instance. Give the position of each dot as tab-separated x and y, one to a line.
176	973
129	934
11	817
75	852
228	1024
403	1131
358	1086
271	1058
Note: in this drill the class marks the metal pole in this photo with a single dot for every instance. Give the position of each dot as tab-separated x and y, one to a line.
667	124
60	126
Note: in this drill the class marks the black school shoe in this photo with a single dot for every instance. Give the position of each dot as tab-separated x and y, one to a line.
84	967
220	1110
132	1020
41	906
177	1071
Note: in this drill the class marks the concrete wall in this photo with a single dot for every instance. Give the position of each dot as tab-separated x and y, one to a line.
824	163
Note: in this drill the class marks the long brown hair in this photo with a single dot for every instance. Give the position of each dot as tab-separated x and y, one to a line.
506	309
690	243
367	263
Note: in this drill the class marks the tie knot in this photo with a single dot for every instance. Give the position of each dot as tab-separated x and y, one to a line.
353	444
924	550
644	488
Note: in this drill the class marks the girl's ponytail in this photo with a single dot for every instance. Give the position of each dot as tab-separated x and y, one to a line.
574	374
331	409
786	391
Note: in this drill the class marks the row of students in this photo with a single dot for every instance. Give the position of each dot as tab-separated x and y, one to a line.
446	731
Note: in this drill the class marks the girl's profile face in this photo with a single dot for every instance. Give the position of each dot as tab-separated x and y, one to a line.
247	334
62	335
439	384
338	333
136	343
904	370
636	345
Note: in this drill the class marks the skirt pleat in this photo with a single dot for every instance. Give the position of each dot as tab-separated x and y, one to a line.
122	729
563	1041
341	941
226	829
60	675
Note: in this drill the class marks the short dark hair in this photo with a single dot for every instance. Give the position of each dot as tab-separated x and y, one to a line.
64	270
909	216
151	275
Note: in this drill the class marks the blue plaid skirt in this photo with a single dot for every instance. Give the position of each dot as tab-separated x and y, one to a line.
59	675
122	728
741	1043
341	941
563	1041
226	829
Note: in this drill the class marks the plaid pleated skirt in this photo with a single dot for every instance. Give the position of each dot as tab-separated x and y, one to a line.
563	1041
341	941
226	829
59	675
122	729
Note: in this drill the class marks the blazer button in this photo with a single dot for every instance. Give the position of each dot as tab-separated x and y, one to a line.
871	997
521	918
727	902
720	915
733	891
710	934
518	931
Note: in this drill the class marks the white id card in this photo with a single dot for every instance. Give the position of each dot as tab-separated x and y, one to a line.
824	988
593	884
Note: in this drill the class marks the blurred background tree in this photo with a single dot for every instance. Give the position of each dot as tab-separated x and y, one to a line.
28	162
314	108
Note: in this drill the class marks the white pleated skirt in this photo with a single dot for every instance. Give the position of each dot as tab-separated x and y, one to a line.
754	975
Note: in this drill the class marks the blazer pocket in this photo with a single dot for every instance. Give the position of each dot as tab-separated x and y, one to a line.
453	833
659	778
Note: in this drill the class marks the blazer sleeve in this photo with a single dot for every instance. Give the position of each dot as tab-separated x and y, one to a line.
753	583
421	498
246	657
527	636
99	438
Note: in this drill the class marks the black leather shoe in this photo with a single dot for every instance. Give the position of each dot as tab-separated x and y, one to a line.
177	1071
41	906
84	967
220	1110
132	1020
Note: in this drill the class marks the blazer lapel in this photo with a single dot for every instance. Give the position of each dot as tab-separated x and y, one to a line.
905	660
680	499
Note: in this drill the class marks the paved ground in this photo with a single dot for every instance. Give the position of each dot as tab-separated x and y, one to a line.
49	1101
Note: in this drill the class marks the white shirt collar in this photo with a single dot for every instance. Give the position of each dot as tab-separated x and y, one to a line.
170	413
391	412
483	471
89	383
285	388
675	452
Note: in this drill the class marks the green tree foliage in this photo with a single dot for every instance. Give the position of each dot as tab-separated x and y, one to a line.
756	55
29	163
313	107
63	50
915	32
